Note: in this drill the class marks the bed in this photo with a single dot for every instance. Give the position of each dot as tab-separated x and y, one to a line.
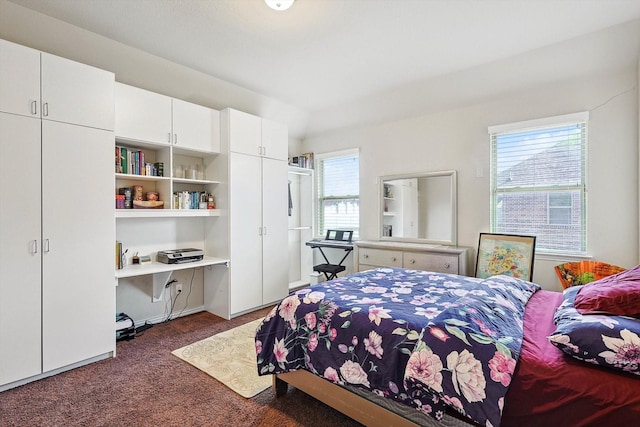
406	347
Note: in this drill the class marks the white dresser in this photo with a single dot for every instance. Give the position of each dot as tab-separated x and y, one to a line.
419	256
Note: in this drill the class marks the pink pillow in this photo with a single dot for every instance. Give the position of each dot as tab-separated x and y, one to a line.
618	295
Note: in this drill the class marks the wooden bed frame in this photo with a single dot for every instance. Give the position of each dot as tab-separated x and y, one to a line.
351	404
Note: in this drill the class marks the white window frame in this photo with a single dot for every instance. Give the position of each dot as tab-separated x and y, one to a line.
318	159
581	187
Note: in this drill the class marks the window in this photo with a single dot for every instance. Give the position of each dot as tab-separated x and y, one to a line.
338	175
538	181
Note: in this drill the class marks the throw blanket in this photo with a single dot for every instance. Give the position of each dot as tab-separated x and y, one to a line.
428	340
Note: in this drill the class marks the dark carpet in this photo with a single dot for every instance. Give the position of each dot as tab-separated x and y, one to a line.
145	385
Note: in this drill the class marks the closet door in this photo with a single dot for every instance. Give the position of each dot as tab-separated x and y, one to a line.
20	250
245	229
245	133
77	93
78	236
275	249
19	79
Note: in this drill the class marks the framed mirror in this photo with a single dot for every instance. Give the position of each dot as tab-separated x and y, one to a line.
419	208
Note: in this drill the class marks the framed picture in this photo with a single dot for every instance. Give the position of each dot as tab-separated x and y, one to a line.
507	254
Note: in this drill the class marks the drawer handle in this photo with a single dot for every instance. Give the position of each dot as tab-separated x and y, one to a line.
447	265
366	256
393	259
412	261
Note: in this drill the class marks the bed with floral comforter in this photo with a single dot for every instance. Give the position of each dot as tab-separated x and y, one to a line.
427	340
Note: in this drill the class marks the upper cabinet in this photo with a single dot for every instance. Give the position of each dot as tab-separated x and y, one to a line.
256	136
38	84
273	135
142	115
19	79
195	127
150	117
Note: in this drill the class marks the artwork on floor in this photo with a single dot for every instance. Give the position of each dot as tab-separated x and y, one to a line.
507	254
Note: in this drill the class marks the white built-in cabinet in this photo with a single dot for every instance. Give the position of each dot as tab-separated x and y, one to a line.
56	221
178	134
255	153
151	117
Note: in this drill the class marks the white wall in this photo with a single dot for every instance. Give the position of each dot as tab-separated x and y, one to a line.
458	139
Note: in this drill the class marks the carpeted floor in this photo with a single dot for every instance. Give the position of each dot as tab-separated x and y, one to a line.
145	385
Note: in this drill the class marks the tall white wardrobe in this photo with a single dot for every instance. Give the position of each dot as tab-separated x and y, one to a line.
57	302
254	161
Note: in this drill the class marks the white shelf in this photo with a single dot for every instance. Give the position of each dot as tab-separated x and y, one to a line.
158	267
194	181
166	213
141	177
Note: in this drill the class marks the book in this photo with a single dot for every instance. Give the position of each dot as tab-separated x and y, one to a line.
124	160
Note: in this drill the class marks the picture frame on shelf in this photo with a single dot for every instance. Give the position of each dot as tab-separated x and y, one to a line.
508	254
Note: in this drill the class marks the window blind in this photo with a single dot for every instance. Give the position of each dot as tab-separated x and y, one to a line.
338	192
538	183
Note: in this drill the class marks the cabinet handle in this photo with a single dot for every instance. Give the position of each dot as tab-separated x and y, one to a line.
259	231
169	137
34	107
45	246
264	150
34	247
175	138
264	231
45	109
259	150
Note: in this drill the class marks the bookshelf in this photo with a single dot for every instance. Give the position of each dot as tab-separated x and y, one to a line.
180	142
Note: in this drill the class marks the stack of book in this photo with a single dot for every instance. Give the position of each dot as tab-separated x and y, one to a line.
303	161
132	162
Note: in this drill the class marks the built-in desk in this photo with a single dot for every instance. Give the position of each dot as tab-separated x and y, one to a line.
162	272
420	256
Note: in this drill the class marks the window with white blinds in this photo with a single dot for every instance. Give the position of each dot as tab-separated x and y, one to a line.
539	183
338	176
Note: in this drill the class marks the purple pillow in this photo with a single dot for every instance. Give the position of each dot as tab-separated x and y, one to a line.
618	295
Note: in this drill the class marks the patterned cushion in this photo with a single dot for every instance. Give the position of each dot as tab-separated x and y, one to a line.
618	294
605	340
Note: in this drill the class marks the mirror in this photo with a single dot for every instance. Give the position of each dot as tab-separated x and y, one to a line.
419	208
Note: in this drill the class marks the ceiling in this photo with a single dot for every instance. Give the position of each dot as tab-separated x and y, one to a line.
323	54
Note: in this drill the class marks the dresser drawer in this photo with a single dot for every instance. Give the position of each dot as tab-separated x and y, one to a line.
430	262
380	257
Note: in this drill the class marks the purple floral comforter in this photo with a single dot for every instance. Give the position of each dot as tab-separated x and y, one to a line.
427	340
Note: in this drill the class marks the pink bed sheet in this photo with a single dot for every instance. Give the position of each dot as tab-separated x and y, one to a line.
550	388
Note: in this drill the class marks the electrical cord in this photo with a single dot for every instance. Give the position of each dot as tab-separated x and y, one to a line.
186	302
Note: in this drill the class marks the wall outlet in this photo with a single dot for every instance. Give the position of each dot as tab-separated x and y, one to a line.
178	287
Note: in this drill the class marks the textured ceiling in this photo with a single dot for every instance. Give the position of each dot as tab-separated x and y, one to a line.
321	54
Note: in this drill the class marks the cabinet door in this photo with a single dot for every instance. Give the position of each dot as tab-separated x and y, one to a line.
275	250
245	201
142	115
275	140
19	79
76	93
245	132
20	249
78	227
196	127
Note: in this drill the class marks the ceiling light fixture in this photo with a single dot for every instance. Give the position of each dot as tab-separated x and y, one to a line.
279	5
